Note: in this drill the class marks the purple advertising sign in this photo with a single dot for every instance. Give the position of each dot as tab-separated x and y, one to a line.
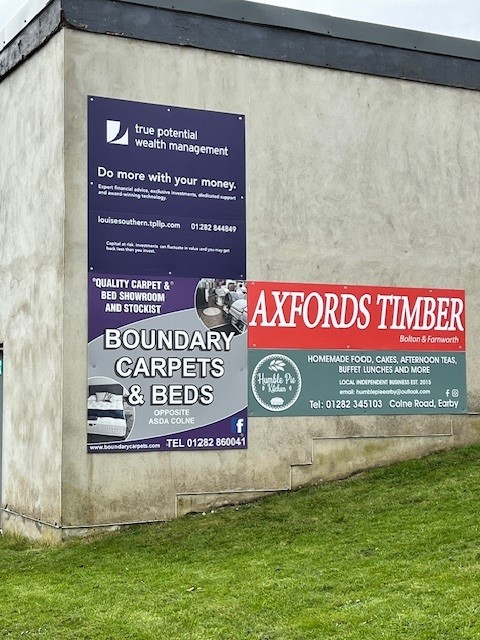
167	353
166	189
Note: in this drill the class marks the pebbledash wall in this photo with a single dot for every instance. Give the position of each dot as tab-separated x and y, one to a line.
354	175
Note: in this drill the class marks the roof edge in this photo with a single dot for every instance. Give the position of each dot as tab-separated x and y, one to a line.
261	31
37	32
270	15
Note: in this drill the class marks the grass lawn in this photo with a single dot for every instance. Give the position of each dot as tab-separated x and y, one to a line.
393	553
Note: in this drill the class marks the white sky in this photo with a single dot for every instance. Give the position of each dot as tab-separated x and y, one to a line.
459	18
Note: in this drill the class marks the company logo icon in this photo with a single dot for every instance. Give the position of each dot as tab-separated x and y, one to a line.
116	134
276	382
238	425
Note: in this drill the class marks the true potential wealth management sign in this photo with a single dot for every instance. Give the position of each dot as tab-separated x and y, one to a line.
329	350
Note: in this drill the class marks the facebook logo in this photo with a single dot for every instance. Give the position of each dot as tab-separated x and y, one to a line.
238	425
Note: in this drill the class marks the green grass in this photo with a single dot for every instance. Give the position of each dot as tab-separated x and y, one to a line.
393	553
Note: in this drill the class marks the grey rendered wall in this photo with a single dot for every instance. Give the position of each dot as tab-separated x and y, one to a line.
351	179
31	286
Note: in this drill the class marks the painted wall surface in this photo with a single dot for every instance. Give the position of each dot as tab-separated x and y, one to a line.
31	283
350	178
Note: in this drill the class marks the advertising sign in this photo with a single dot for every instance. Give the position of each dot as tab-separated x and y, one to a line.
166	290
319	349
166	189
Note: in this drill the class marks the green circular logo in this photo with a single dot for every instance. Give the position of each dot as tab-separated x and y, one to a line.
276	382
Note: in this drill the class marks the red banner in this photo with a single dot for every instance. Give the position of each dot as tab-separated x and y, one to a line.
320	316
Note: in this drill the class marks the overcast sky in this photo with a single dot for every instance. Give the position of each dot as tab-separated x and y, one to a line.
459	18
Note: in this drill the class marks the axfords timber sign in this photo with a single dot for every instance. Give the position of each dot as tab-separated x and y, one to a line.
346	350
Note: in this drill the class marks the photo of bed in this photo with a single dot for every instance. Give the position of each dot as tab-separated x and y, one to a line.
237	314
109	415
